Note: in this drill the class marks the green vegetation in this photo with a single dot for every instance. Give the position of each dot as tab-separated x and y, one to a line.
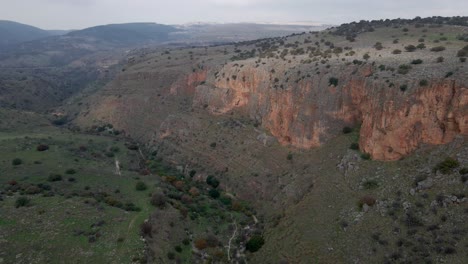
447	166
16	162
333	81
255	243
140	186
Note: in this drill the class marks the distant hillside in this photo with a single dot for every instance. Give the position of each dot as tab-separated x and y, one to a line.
13	33
127	34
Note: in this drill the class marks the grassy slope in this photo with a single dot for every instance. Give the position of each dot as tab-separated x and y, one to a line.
47	230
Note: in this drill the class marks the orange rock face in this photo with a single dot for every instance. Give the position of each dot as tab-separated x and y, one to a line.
302	112
308	113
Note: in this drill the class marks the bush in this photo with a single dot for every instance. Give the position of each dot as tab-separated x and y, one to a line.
463	52
354	146
396	51
448	74
146	229
158	200
463	171
347	130
333	81
440	59
212	181
214	193
403	87
438	49
423	82
289	156
141	186
421	46
462	59
42	147
418	61
54	177
201	244
410	48
365	156
255	243
16	162
33	190
446	166
70	171
369	200
370	184
378	46
22	201
404	69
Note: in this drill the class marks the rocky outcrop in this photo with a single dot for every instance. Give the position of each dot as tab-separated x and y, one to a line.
299	108
308	112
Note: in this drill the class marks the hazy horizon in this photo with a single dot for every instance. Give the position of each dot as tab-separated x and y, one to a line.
78	14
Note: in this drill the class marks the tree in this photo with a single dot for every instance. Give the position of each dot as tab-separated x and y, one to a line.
255	243
212	181
140	186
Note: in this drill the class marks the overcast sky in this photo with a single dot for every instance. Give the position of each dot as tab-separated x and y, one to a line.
77	14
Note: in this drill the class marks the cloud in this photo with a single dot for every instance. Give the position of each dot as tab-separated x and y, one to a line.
84	13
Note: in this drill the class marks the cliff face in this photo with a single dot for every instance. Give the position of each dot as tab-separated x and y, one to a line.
308	112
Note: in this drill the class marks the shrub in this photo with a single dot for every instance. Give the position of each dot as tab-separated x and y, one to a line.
16	162
463	171
421	46
446	166
403	87
178	248
158	200
290	156
212	181
146	229
354	146
438	49
365	156
214	193
448	74
463	52
410	48
54	177
255	243
213	145
396	51
378	46
70	171
33	190
369	200
370	184
347	130
423	82
440	59
418	61
141	186
201	244
462	59
333	81
42	147
22	201
404	69
366	56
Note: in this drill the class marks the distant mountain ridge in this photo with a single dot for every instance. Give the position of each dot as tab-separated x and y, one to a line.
12	33
127	34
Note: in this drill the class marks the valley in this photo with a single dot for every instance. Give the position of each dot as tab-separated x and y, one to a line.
345	145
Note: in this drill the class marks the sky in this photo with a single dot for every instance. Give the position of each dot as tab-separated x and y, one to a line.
78	14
